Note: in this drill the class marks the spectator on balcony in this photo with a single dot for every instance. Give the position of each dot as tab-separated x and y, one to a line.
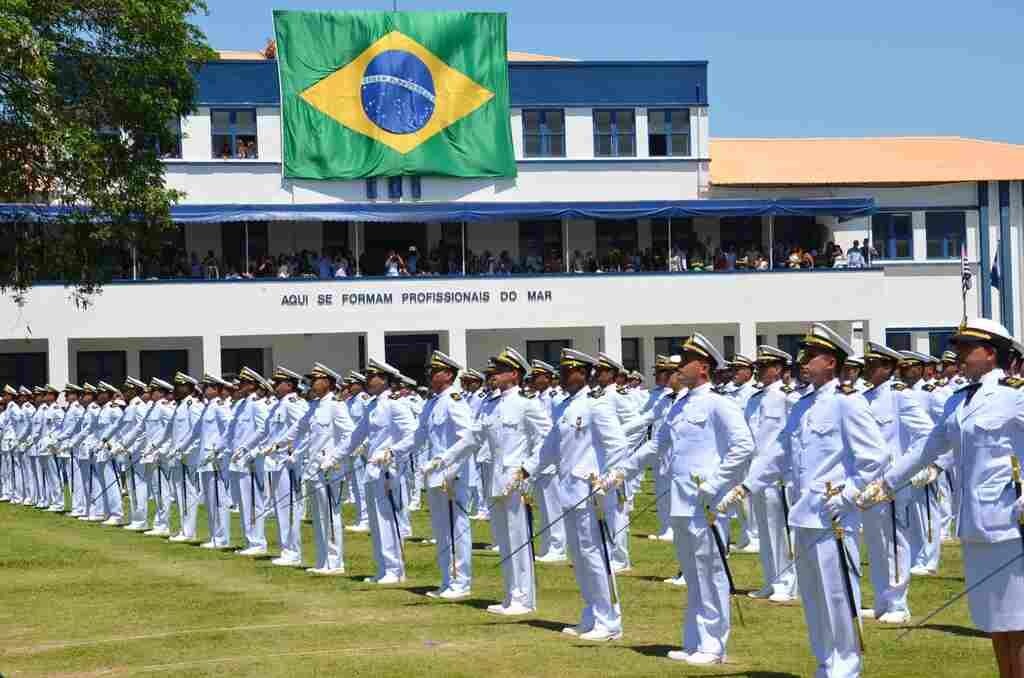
412	260
855	256
265	268
807	259
677	260
505	265
393	265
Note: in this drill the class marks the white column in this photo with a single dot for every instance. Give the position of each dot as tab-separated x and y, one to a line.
612	344
647	355
211	354
920	249
747	344
457	346
57	361
375	345
874	330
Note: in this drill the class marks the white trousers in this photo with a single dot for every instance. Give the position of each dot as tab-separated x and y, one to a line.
890	590
328	532
106	493
747	523
548	509
356	480
81	469
827	611
164	496
584	539
510	517
776	549
925	551
5	474
218	511
186	493
707	622
662	487
140	478
448	522
248	490
616	511
287	497
384	526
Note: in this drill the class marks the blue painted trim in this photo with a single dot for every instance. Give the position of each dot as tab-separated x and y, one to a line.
984	256
497	278
927	208
1005	258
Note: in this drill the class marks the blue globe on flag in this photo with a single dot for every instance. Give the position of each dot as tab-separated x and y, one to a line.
398	92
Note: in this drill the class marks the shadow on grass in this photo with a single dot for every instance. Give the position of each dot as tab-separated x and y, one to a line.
951	629
543	624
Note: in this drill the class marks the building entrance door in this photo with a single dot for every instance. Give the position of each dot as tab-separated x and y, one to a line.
410	353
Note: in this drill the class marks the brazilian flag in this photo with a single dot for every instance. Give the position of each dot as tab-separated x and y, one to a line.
366	94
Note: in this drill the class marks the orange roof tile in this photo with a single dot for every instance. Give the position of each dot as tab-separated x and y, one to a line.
880	160
257	55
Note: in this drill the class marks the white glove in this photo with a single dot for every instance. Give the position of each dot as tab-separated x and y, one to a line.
432	466
382	458
613	480
733	496
360	451
926	476
238	455
1017	513
876	492
843	502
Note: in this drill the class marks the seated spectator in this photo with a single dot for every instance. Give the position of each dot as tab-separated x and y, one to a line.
807	260
795	257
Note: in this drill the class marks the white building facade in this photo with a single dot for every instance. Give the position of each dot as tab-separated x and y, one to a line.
614	159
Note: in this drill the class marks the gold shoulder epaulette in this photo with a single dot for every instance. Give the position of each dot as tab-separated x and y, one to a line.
456	397
396	396
622	390
899	386
847	389
1012	382
928	388
787	389
596	392
529	394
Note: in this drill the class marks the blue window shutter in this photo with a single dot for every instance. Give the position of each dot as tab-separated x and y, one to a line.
394	188
371	188
415	188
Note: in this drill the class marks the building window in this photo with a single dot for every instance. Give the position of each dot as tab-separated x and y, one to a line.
108	366
893	235
668	345
668	132
548	350
544	133
944	233
616	244
631	354
898	340
540	246
23	369
790	343
162	364
615	133
232	360
234	133
938	341
728	346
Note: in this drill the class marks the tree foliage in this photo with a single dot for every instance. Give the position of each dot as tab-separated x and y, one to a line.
90	92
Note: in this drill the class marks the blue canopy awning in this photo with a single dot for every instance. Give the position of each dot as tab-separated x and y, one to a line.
487	211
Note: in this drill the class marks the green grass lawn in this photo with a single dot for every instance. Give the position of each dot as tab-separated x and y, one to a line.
81	599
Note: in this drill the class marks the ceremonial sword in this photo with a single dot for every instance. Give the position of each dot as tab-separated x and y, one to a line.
605	556
448	490
712	520
1017	490
552	523
844	567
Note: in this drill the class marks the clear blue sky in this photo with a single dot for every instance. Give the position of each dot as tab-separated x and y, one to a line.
789	68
